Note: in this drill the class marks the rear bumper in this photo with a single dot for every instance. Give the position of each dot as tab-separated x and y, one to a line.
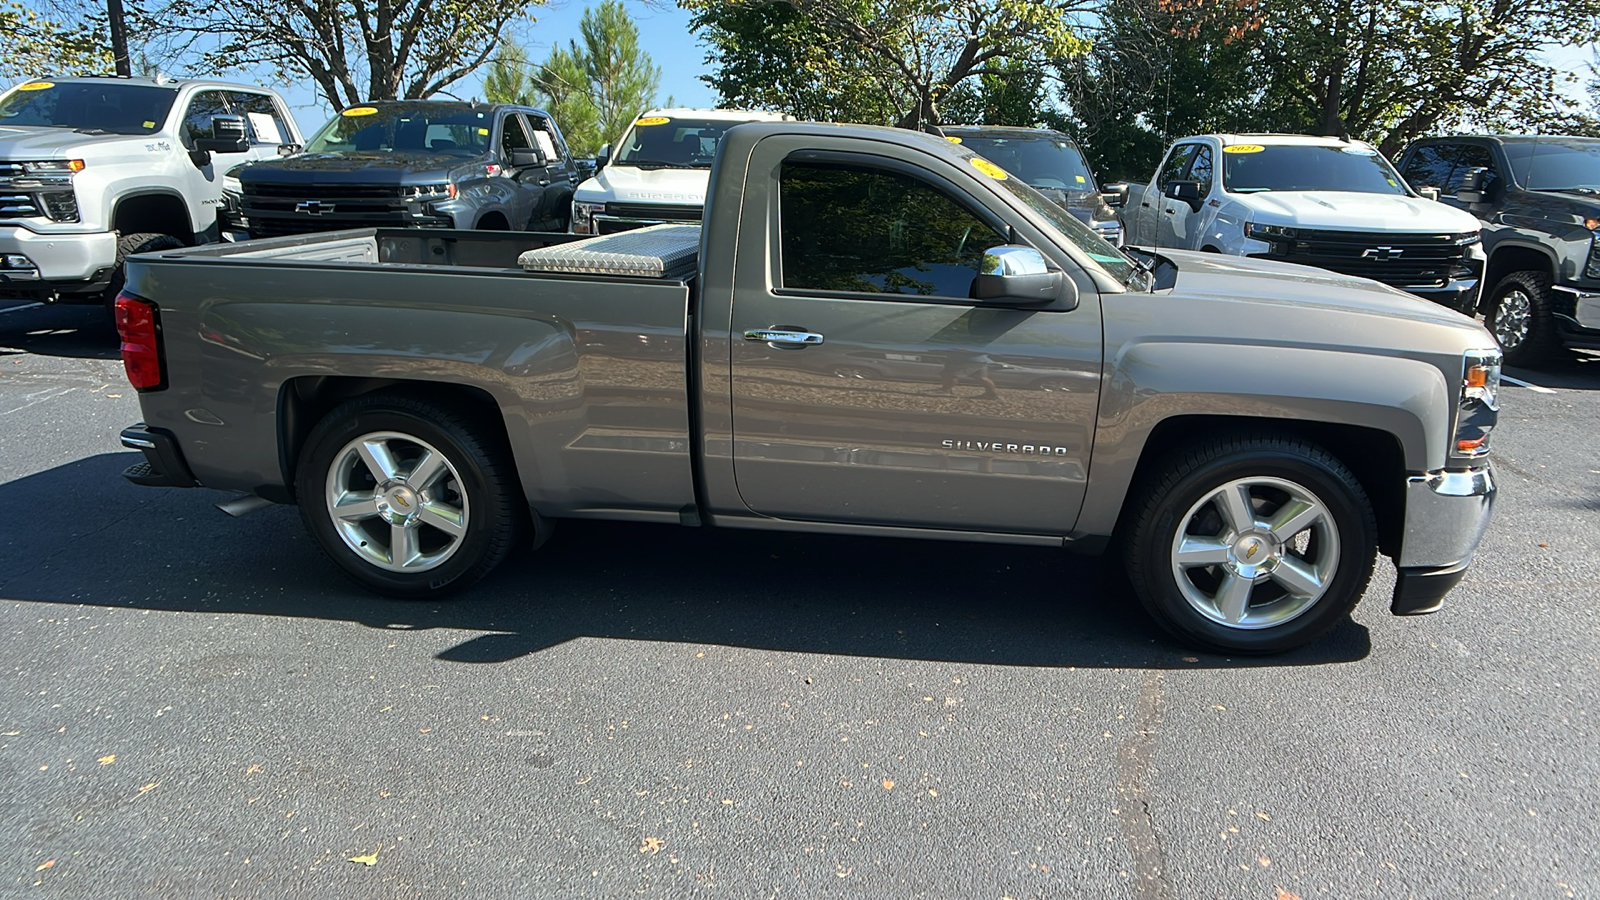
163	466
1446	514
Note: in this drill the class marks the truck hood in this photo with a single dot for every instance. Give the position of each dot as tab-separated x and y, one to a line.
1354	211
20	144
1243	282
355	168
627	184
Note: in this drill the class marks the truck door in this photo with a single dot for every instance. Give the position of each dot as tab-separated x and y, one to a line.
1176	222
894	398
266	127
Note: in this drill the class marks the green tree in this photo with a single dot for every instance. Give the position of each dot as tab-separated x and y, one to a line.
593	89
915	52
32	45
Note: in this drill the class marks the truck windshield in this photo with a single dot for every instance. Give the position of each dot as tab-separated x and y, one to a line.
454	129
663	142
93	107
1251	168
1043	161
1085	238
1556	164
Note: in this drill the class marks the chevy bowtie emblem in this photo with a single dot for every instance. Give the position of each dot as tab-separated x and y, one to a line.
401	501
1382	254
1251	548
313	207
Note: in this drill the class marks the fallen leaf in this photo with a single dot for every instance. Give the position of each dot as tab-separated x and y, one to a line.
727	802
1263	861
888	784
424	730
115	396
1287	895
1543	544
1218	706
45	865
1191	659
932	792
253	770
148	788
699	656
108	759
1263	816
371	859
651	845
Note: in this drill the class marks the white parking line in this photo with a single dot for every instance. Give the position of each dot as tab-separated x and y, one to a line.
19	308
1532	387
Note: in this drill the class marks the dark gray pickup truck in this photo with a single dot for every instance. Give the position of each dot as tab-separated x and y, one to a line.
874	332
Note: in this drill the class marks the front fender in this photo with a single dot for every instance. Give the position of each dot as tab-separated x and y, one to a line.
1151	381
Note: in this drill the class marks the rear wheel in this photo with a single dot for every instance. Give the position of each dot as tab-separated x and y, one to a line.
1251	544
1519	315
409	498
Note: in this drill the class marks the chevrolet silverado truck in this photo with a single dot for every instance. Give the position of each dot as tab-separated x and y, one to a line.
1316	201
1051	163
416	164
1538	200
659	170
1245	434
93	169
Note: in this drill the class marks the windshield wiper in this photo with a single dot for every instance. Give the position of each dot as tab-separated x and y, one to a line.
652	164
91	129
1575	190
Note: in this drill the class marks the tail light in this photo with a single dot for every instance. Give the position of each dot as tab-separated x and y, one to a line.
140	329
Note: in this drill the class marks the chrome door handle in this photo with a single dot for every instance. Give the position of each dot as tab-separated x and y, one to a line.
777	336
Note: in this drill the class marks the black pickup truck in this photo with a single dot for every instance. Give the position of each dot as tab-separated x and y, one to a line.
415	164
1539	200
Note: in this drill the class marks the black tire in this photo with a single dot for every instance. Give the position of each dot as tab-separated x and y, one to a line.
1519	315
476	489
1187	599
128	245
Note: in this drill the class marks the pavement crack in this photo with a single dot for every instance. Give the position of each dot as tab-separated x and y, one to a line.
1134	771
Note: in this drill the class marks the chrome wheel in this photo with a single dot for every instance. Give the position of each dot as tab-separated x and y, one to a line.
1255	553
396	501
1512	315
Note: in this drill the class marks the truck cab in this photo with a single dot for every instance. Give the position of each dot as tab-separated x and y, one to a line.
1538	200
93	169
1315	201
416	164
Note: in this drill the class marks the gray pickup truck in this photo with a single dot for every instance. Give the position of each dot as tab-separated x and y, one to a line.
1245	434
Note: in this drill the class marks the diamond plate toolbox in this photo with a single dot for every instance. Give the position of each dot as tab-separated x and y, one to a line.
660	251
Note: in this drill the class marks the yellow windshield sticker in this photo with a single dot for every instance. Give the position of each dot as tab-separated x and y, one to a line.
149	124
37	86
953	140
355	111
653	120
1080	179
988	168
1244	148
483	131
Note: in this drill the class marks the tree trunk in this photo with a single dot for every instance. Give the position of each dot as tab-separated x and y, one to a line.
119	37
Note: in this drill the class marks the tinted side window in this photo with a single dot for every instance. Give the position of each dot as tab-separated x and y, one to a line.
1201	170
1429	165
546	138
1177	161
197	118
1472	155
261	115
513	136
847	228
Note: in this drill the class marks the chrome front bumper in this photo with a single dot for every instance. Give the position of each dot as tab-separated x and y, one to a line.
1446	514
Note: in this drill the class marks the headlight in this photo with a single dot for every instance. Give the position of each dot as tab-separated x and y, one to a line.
1269	232
1479	406
429	192
53	167
583	214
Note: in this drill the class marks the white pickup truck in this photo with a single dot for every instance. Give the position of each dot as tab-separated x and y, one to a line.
95	169
658	171
1317	201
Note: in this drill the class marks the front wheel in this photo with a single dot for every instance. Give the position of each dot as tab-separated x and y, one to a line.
1521	320
409	498
1251	545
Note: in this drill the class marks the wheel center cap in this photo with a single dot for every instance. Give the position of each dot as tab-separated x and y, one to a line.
1253	554
398	503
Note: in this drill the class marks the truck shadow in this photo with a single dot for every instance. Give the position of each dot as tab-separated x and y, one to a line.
903	599
80	332
1575	370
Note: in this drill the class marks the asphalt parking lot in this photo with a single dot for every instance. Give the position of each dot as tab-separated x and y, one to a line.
200	706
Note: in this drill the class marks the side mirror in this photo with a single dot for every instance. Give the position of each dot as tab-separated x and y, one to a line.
1471	190
228	135
1184	192
602	157
1115	195
289	149
1428	193
1020	274
528	156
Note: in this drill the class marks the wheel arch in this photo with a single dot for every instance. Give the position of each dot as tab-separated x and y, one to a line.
158	212
493	220
1514	257
304	401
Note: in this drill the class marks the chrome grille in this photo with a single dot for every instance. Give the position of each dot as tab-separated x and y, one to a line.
1401	260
